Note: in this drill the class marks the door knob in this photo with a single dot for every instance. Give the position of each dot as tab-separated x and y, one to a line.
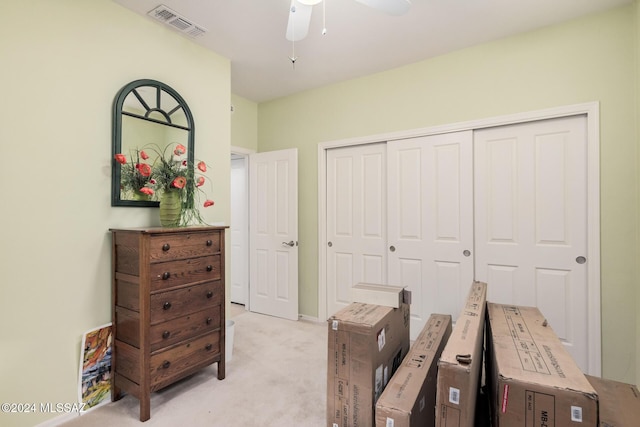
581	260
392	248
290	244
466	252
329	244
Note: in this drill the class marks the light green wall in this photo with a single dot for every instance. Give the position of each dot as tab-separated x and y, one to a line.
589	59
62	64
244	123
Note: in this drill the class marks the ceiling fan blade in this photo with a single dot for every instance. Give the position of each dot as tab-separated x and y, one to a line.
392	7
299	19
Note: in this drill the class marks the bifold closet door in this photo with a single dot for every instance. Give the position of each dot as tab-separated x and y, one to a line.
356	220
531	222
430	222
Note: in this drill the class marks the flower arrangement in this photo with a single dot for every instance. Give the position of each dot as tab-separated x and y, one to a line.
169	172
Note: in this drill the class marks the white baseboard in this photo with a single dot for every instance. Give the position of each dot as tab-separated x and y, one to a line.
309	318
59	420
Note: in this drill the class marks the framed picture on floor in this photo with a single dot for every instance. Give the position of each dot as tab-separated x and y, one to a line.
94	385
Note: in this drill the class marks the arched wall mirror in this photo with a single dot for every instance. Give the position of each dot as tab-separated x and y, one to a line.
148	116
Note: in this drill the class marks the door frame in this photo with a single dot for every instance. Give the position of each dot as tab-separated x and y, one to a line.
244	152
592	112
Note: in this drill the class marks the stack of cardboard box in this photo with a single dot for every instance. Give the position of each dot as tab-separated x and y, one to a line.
531	380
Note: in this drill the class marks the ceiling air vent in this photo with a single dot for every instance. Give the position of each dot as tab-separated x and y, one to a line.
170	17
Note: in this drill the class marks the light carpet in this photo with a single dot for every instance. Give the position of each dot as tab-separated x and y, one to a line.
276	377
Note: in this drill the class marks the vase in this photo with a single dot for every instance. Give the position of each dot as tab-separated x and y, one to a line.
139	195
170	208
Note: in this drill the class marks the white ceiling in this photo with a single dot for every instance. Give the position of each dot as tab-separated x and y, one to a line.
359	40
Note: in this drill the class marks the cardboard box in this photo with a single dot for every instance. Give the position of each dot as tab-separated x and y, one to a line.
409	400
533	381
370	293
619	403
460	365
366	344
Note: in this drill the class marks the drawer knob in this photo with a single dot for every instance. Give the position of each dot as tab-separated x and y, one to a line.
208	347
209	320
209	242
166	305
166	334
209	267
209	294
166	247
166	275
166	364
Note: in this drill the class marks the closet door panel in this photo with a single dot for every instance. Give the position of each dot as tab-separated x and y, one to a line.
531	222
430	221
356	220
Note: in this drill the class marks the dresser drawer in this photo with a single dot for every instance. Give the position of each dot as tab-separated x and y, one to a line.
176	330
181	302
168	274
170	246
169	365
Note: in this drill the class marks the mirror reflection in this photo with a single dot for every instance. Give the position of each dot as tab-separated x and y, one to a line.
149	117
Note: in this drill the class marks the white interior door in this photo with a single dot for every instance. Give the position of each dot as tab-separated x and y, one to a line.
239	288
430	222
273	188
356	220
531	222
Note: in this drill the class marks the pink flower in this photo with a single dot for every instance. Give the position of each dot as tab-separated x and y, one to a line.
120	158
179	150
147	190
179	182
144	169
202	166
144	155
200	181
208	203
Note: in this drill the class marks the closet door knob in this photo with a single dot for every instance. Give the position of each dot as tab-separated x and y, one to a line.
466	252
392	248
581	260
329	244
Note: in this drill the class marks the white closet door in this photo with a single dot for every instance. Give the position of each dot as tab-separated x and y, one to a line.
430	227
356	220
531	222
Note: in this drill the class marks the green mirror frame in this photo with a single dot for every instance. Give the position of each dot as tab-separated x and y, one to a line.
155	104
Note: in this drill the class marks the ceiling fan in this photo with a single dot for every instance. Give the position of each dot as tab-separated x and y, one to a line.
300	14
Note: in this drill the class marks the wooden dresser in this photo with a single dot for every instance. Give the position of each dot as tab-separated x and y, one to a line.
168	307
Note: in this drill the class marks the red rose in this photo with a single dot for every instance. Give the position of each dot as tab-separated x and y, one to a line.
200	181
208	203
120	158
146	190
144	155
202	166
179	150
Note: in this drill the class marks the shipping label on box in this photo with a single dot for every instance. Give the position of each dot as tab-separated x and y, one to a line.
460	365
532	378
410	397
366	344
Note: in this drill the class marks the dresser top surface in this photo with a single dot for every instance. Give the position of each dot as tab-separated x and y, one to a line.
157	230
